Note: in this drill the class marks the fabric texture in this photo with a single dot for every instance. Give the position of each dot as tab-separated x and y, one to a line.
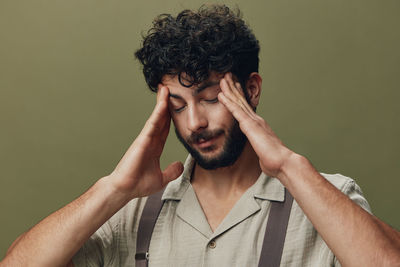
183	237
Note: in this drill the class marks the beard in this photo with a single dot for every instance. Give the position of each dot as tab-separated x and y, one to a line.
232	148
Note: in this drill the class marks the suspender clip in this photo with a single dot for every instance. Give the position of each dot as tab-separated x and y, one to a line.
142	256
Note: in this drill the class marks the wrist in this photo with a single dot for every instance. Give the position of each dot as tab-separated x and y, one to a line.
112	193
291	168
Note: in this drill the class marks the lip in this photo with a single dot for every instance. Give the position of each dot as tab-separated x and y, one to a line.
207	143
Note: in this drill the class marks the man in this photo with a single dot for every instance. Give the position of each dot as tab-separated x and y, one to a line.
204	67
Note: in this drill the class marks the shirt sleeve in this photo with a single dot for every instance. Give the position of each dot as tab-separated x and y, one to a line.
99	249
114	243
353	191
350	188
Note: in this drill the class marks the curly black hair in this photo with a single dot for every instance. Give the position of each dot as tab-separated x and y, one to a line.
211	39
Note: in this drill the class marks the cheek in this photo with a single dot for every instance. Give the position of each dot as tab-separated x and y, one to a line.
219	116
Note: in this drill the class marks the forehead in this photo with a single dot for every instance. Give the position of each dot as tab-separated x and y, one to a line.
175	87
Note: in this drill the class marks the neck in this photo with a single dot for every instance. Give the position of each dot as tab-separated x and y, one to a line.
231	180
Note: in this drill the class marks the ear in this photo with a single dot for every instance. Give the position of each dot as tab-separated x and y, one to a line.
253	87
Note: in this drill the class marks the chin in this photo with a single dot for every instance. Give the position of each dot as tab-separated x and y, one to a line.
220	156
216	163
215	160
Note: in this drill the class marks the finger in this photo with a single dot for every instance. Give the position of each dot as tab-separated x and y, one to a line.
232	86
159	119
173	171
162	95
235	88
228	97
236	93
161	110
226	89
245	102
237	111
230	90
237	99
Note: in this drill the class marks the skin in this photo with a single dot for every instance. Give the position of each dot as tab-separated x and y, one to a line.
355	237
217	190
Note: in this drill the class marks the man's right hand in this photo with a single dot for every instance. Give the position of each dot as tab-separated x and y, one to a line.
138	173
55	240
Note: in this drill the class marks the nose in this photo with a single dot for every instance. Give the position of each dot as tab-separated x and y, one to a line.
196	119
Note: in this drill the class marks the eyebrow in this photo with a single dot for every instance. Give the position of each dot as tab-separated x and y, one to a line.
204	86
198	90
175	96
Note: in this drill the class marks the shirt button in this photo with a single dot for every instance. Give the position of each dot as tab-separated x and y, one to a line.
212	244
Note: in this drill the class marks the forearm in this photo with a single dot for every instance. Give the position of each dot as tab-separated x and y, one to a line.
356	237
54	240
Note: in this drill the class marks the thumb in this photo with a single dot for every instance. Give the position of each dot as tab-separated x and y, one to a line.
172	172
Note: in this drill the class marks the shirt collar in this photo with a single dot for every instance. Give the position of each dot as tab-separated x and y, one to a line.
267	188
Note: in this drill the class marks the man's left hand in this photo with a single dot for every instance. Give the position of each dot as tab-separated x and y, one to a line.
270	149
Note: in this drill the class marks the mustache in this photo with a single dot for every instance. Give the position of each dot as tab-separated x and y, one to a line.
204	135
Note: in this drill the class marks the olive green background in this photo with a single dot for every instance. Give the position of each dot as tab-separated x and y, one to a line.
72	97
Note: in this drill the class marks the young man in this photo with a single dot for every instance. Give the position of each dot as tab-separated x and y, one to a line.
204	67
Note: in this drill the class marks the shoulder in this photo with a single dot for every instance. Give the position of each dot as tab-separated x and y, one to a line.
338	180
115	241
131	209
126	220
349	187
303	243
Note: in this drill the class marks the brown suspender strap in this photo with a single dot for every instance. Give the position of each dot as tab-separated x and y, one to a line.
275	232
274	238
147	222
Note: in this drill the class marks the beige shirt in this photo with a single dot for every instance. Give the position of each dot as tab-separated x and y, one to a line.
183	237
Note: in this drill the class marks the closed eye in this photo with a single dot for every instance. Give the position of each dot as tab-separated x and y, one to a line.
177	110
214	100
